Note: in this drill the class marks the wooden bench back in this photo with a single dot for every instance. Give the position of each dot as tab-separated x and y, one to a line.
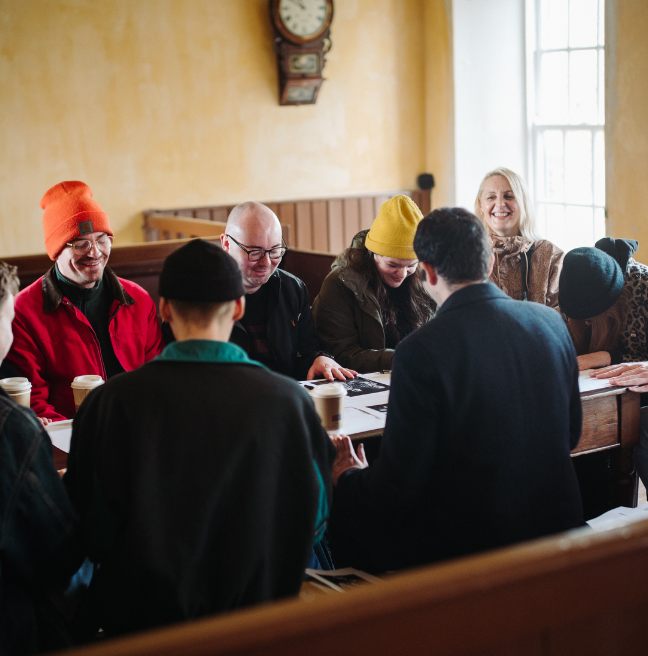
320	224
142	263
576	593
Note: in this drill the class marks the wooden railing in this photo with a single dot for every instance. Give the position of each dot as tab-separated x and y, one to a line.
181	227
320	224
576	593
176	227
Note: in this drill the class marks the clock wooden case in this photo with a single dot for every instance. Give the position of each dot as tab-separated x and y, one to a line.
302	29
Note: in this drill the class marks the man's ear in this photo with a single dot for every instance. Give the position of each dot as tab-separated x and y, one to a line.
492	264
166	313
430	273
224	243
239	309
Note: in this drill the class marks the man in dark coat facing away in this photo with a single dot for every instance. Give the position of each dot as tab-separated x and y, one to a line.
202	479
483	412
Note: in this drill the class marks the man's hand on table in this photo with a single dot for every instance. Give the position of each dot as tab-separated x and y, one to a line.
593	360
346	457
330	369
44	420
634	375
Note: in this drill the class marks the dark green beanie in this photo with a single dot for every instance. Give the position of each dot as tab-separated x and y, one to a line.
590	283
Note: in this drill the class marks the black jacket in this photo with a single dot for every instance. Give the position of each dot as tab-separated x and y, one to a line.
36	527
196	489
291	333
483	412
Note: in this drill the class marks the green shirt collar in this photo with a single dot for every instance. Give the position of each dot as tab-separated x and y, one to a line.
206	350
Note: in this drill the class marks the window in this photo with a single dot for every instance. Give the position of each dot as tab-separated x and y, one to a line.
567	141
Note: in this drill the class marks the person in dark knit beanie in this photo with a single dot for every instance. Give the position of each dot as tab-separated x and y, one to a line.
228	482
596	291
619	335
201	272
590	283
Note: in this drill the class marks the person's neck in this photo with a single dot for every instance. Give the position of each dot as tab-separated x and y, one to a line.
75	285
445	291
216	332
507	234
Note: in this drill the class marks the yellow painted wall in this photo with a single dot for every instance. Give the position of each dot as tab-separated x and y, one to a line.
439	100
627	123
172	103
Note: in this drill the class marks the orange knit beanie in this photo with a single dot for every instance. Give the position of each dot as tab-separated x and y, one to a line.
70	213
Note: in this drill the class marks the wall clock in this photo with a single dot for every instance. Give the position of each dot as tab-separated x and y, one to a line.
302	29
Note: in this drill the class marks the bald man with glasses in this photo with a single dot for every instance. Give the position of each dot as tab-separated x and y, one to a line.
79	318
277	328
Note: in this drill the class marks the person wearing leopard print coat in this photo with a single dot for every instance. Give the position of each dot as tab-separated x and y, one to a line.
604	295
627	364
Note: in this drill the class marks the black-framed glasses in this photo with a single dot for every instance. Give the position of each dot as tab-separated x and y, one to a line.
257	254
83	246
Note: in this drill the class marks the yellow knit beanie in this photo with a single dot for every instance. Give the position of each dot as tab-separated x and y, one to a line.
392	232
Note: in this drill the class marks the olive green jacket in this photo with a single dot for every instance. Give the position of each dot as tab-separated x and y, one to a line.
347	317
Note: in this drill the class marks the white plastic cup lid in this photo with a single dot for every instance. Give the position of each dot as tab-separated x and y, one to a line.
17	384
330	390
89	381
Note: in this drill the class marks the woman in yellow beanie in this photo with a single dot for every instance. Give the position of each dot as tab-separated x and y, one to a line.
374	296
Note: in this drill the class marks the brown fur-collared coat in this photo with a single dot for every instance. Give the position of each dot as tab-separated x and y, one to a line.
543	272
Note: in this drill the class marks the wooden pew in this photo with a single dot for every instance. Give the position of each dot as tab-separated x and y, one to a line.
320	224
142	263
575	593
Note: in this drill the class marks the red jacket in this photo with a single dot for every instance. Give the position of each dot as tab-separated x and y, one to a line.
54	342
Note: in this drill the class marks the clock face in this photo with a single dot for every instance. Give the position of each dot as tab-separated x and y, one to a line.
303	17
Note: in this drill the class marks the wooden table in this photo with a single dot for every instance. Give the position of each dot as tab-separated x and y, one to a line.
610	422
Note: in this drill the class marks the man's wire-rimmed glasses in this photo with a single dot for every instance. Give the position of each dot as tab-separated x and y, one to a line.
256	254
83	246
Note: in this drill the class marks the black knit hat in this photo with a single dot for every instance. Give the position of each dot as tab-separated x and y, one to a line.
201	272
590	283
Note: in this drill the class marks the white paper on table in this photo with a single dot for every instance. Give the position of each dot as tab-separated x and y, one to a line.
357	421
60	432
620	516
587	384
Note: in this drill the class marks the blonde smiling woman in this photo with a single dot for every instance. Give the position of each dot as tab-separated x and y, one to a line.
526	267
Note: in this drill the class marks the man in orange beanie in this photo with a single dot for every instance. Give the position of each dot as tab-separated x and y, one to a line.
79	318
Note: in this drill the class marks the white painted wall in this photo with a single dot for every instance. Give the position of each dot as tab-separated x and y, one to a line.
490	96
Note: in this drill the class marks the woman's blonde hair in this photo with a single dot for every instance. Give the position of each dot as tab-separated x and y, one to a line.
527	213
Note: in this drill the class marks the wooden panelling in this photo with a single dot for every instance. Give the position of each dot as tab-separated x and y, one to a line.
378	201
287	217
366	213
351	220
320	225
336	226
304	238
219	214
180	227
600	424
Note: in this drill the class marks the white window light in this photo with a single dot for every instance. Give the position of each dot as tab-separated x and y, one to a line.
567	118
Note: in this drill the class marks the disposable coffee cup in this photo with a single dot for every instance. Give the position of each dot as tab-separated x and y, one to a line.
83	385
18	388
329	403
